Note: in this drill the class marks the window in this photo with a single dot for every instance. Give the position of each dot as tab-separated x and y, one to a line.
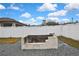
6	24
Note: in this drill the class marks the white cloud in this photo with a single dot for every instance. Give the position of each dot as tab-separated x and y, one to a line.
21	21
65	20
15	8
47	6
12	6
77	14
2	7
72	6
26	15
40	17
31	21
54	19
57	13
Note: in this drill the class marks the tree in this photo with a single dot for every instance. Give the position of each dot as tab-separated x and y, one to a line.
52	23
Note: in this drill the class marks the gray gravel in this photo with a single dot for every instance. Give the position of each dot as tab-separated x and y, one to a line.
15	50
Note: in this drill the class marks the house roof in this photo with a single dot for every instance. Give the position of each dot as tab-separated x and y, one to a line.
9	20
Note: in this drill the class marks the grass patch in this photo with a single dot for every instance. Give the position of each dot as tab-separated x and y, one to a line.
8	40
69	41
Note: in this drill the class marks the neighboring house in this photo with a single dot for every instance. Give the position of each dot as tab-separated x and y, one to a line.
49	23
8	22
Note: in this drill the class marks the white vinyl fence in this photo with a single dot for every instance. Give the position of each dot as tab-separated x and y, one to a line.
70	30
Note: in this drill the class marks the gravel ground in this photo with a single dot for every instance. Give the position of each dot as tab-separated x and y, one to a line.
15	50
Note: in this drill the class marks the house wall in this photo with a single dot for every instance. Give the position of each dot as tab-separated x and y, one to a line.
70	30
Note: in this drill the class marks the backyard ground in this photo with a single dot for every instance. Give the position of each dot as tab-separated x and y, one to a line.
69	41
8	40
15	50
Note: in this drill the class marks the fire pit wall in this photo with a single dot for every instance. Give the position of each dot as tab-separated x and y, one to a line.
51	42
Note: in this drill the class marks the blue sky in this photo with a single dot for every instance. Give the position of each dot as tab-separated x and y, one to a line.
34	13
